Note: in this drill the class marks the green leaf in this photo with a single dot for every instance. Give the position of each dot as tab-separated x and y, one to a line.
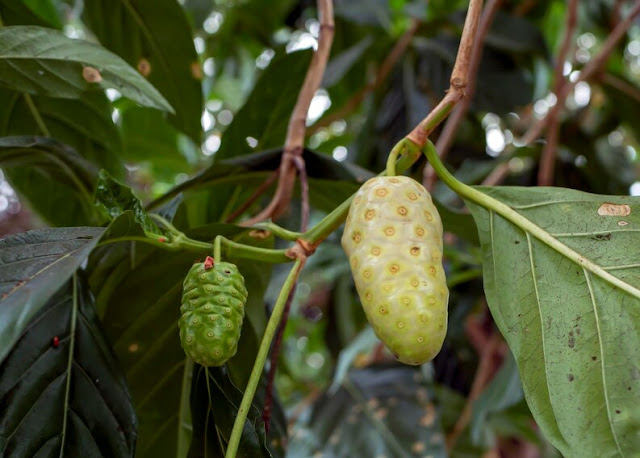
138	290
114	198
343	62
44	61
563	285
61	390
34	12
265	115
378	411
34	265
158	32
54	178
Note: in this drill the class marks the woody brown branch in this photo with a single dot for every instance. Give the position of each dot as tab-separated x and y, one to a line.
590	70
458	81
448	132
294	142
548	157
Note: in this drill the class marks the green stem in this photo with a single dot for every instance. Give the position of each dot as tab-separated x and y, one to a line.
521	222
217	257
410	152
170	227
258	366
36	115
278	231
239	250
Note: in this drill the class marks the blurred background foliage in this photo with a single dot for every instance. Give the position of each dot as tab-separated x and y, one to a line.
342	394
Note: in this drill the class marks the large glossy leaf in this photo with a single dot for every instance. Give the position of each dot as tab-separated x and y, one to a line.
61	391
378	411
114	198
215	402
566	295
139	292
54	178
154	34
44	61
266	113
35	12
34	265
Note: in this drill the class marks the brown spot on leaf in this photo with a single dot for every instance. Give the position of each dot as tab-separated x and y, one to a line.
144	67
91	75
622	223
572	340
571	377
609	209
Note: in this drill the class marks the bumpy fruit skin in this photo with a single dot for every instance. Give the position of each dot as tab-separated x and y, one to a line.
213	300
393	238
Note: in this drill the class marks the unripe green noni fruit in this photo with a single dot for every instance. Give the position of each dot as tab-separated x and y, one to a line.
213	300
393	238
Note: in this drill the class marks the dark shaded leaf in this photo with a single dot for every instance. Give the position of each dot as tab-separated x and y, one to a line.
266	113
44	61
377	411
34	265
61	391
154	37
114	198
54	178
34	12
343	62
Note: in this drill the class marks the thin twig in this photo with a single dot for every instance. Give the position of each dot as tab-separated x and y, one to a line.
448	132
294	142
621	85
524	7
548	157
389	62
304	193
275	351
615	13
458	81
588	72
485	372
261	189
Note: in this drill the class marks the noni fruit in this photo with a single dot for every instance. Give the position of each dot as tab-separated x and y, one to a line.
213	300
393	238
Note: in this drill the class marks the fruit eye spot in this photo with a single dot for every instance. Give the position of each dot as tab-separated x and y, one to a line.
375	251
366	273
209	287
219	278
357	200
368	296
369	214
383	310
387	287
419	231
432	300
402	210
194	321
212	317
420	339
389	231
203	277
221	299
354	263
356	237
428	215
229	325
406	301
394	268
381	192
415	283
227	310
394	180
400	325
189	338
432	270
210	334
415	251
412	196
423	318
227	271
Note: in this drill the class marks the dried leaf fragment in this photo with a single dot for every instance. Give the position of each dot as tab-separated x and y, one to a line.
91	75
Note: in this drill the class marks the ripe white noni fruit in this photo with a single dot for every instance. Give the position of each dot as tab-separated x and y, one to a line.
393	238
